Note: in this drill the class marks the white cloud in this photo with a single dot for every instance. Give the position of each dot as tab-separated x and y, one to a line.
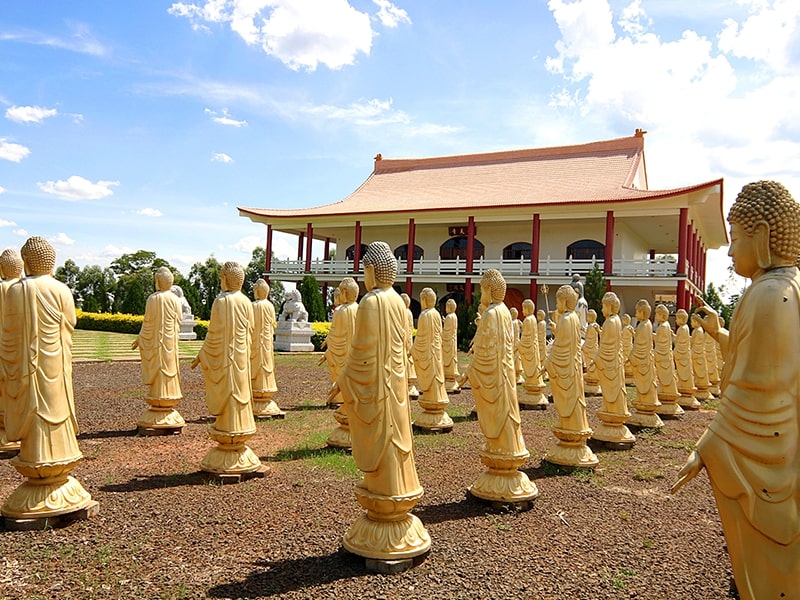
29	114
12	151
300	33
112	251
225	118
389	15
78	188
249	243
6	223
149	212
82	40
61	239
20	232
221	157
2	190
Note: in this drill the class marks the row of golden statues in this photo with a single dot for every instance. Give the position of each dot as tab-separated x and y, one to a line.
751	448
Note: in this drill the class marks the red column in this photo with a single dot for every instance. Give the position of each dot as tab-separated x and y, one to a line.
470	243
412	230
683	220
703	266
608	262
532	291
268	251
468	290
309	240
535	243
680	295
698	255
300	243
409	286
357	248
326	252
693	256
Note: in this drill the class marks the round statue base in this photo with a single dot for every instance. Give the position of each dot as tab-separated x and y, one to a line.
503	482
571	449
451	385
434	418
48	491
612	431
591	387
267	410
669	407
160	421
413	392
7	449
644	416
702	394
714	390
687	401
387	531
340	438
533	398
230	455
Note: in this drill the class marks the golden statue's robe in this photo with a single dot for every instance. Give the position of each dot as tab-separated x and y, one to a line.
493	379
565	367
699	367
374	387
36	351
710	347
158	346
343	325
427	353
262	357
643	364
664	361
450	346
682	354
751	448
225	359
529	351
610	371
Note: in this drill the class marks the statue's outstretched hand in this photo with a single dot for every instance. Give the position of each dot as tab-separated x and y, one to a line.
709	317
694	464
334	391
135	344
195	362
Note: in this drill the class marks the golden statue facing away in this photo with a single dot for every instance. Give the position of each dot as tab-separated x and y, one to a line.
665	365
374	386
699	366
158	348
591	338
493	379
450	348
36	353
608	361
534	397
751	449
10	272
225	360
644	371
627	345
343	325
683	362
565	365
262	357
413	392
427	353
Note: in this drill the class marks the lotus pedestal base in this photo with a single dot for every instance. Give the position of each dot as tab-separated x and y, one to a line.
340	437
687	401
571	449
503	482
161	418
644	416
612	431
434	418
264	407
231	457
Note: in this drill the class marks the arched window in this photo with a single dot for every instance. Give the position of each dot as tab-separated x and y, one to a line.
456	247
401	252
586	249
350	253
517	250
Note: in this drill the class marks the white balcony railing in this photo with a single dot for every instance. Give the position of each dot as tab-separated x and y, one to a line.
625	267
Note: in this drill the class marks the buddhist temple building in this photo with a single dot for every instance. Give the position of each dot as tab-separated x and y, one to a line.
538	215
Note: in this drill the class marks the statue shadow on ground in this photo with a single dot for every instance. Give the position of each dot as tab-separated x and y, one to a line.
154	482
453	511
275	578
96	435
304	407
303	453
545	470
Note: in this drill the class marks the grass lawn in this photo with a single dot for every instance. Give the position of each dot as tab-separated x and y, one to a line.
105	345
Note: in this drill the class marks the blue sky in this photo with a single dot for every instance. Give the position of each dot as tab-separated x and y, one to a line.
127	126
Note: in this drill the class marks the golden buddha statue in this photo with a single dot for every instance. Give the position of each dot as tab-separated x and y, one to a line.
262	355
667	389
343	325
450	348
10	272
682	352
644	371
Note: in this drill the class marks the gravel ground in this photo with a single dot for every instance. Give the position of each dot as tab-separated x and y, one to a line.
163	533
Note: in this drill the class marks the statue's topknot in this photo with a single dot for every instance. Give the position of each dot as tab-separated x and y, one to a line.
771	202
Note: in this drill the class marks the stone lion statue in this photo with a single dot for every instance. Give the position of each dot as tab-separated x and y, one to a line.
293	308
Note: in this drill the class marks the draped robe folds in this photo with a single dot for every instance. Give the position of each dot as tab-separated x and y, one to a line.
450	346
529	350
158	346
643	364
664	361
262	359
751	448
410	367
608	361
564	365
683	359
493	379
36	351
374	386
541	337
343	324
710	347
699	367
4	285
225	359
427	353
589	347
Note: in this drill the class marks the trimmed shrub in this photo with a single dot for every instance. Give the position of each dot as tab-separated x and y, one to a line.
122	323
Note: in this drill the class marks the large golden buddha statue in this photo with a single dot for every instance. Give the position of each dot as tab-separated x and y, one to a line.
374	386
36	352
751	449
262	357
10	272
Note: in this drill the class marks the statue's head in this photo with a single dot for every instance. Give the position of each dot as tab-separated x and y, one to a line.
493	285
337	296
348	290
626	319
406	299
540	315
261	289
611	304
231	276
591	315
577	285
382	263
765	228
177	290
566	298
427	298
696	321
528	307
662	313
38	256
643	309
164	279
681	317
10	264
514	313
450	306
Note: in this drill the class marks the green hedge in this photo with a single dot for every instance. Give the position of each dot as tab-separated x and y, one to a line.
122	323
